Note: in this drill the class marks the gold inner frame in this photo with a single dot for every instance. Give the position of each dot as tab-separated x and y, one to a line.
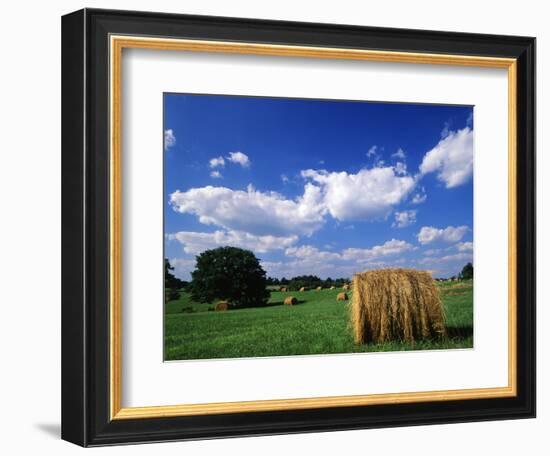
117	44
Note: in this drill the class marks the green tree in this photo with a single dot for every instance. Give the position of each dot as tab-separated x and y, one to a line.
307	281
171	283
231	274
467	272
170	280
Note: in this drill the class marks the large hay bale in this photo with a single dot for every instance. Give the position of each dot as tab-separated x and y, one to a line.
290	301
319	288
283	289
332	288
303	289
395	304
342	297
345	287
222	306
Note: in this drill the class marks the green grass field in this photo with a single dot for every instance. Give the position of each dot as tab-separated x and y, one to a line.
317	325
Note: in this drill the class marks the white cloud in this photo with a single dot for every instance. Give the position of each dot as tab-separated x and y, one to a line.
169	139
400	169
432	252
183	267
369	194
253	211
392	247
311	253
456	258
239	158
452	158
419	197
405	218
197	242
284	178
215	174
465	246
217	161
399	154
429	234
372	151
307	259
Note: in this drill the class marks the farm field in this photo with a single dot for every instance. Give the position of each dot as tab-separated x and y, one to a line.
318	324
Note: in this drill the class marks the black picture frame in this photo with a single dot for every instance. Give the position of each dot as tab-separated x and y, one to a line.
85	224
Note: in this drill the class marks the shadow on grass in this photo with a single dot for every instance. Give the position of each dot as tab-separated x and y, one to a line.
282	303
459	332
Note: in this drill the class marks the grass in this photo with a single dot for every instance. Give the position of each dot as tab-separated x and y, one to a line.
317	325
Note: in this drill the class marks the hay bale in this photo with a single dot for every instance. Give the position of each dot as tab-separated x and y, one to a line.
290	301
303	289
342	297
283	289
345	287
395	304
319	288
221	306
332	288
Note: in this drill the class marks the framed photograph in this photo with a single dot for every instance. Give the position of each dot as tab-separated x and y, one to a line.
277	227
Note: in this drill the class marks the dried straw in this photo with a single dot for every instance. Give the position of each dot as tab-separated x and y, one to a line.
222	306
395	304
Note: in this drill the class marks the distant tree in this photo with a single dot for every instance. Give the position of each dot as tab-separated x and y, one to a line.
306	281
171	282
284	281
229	273
171	295
467	272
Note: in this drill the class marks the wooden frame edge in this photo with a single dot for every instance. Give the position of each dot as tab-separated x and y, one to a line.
120	42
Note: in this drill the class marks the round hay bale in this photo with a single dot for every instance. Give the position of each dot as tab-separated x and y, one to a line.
345	287
342	297
221	306
395	304
303	289
332	288
290	301
319	288
283	289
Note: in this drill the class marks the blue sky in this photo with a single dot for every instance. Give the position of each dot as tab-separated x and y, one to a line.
320	187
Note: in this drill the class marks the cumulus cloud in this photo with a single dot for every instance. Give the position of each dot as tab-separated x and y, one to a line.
456	259
392	247
239	158
197	242
369	194
399	154
169	139
253	211
311	253
465	246
372	151
405	218
307	259
183	267
429	234
217	162
452	158
215	174
400	169
419	197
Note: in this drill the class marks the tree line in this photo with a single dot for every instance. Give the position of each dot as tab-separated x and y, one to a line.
236	275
